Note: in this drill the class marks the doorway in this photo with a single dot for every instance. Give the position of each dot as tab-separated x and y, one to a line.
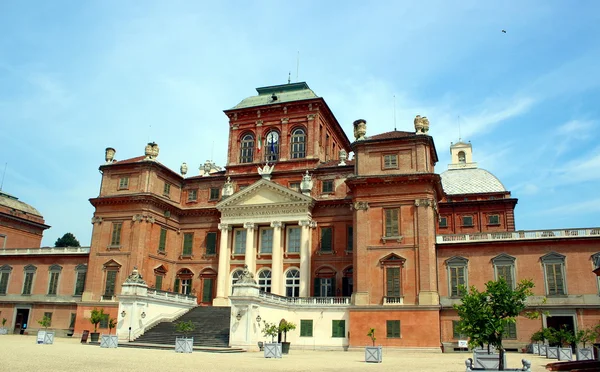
21	321
558	321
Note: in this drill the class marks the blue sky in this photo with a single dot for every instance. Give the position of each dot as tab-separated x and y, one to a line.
79	76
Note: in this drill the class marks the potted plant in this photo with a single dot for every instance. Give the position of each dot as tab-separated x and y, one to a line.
564	338
584	336
373	354
285	326
110	341
95	318
184	344
536	337
45	336
3	330
272	349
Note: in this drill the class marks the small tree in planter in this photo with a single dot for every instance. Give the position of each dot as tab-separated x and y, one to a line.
484	315
3	330
184	344
373	354
285	326
272	349
110	341
45	336
95	318
536	338
584	336
564	337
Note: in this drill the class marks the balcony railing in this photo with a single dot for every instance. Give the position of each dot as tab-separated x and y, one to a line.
305	301
519	235
44	251
171	296
391	300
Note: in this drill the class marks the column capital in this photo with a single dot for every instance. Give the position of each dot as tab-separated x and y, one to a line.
224	226
304	223
276	224
250	225
312	224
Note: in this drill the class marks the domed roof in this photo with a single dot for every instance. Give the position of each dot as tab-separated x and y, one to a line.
9	201
470	181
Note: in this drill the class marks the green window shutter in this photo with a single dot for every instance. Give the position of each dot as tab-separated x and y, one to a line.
393	281
28	283
393	328
3	282
510	331
162	244
326	235
80	283
306	328
188	239
391	222
116	235
211	243
111	278
207	290
317	287
158	282
332	294
176	287
350	239
104	321
338	328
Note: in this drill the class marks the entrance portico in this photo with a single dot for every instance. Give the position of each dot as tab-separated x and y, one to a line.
268	224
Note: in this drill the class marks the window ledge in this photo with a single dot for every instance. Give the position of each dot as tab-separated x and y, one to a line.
385	239
495	224
191	202
212	255
557	295
164	253
113	248
186	257
347	252
320	253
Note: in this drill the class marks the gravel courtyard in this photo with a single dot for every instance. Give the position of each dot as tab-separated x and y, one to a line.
21	353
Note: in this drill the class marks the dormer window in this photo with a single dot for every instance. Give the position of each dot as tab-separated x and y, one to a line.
462	159
247	149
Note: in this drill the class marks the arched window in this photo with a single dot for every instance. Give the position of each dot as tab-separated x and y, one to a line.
264	280
183	281
235	277
272	146
247	149
298	143
292	283
324	284
461	157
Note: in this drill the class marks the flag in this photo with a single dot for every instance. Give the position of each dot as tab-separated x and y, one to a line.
259	143
272	146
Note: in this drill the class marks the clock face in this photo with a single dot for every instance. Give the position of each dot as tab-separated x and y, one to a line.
272	137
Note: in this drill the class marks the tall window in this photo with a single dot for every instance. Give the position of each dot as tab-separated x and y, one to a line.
266	241
183	281
111	269
211	243
596	264
123	183
188	241
293	240
272	146
159	275
324	287
292	283
192	195
54	276
207	289
167	189
510	331
504	267
338	328
28	282
347	282
393	328
554	272
456	334
214	193
4	276
158	279
326	239
239	246
162	242
298	143
115	240
264	280
247	149
349	238
457	275
392	222
392	281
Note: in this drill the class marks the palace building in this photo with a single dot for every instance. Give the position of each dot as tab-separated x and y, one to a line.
337	245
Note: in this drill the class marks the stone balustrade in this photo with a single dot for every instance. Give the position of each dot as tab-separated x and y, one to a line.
45	251
305	301
518	235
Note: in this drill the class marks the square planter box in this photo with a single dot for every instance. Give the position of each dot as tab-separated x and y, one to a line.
526	366
543	350
184	344
535	349
109	341
373	354
45	337
272	350
586	353
3	331
565	353
552	352
487	361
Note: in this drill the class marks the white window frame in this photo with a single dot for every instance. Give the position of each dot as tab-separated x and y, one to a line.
457	262
504	260
54	270
235	276
289	236
260	240
242	250
554	258
295	281
265	280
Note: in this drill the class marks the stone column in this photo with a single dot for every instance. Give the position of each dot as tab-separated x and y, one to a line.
223	274
277	263
305	258
250	256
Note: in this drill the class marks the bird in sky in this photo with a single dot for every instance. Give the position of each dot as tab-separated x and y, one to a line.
503	31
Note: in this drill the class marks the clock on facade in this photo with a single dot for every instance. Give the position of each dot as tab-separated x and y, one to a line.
272	137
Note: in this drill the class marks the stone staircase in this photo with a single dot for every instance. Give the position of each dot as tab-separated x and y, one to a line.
212	329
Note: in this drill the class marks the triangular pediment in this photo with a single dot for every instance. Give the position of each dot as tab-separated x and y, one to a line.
265	192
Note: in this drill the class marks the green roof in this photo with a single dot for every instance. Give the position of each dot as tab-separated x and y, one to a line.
278	94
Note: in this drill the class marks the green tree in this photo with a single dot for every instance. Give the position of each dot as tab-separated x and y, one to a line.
484	315
67	240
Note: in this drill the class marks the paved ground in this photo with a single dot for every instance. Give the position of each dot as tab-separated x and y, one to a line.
21	353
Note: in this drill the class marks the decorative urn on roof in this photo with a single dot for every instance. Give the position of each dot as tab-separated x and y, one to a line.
307	184
421	124
151	151
183	169
109	155
360	129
